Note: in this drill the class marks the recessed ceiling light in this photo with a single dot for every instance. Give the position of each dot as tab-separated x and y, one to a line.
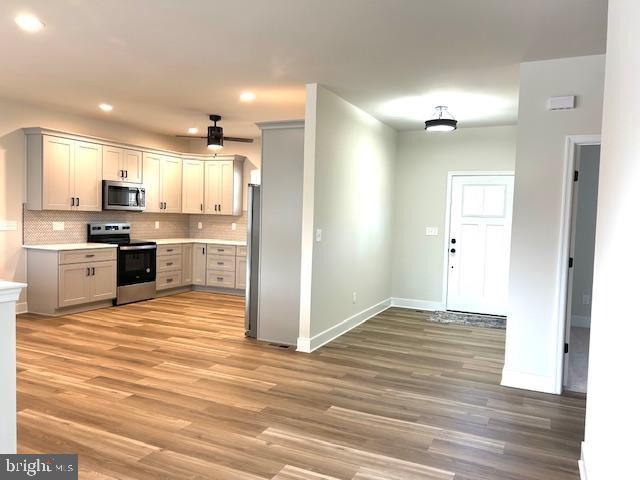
247	97
192	130
105	107
29	23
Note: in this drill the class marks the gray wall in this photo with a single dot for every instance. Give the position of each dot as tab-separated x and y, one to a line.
280	233
422	166
585	234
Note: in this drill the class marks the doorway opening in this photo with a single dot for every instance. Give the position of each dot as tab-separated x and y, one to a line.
580	275
478	242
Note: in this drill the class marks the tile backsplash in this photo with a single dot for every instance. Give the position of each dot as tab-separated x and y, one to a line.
39	225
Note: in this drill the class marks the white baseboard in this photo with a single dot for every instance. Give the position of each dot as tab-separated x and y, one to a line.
582	465
528	381
414	304
580	321
308	345
21	308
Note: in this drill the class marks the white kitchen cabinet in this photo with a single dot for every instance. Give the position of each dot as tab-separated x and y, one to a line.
104	281
241	272
192	186
199	272
121	164
187	263
163	183
74	285
63	174
223	186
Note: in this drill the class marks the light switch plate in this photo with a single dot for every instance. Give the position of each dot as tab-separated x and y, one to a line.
199	225
318	235
233	226
431	231
8	225
57	226
157	225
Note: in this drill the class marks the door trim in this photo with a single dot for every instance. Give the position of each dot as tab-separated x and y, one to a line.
447	221
566	216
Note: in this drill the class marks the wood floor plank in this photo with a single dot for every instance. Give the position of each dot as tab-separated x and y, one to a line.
170	388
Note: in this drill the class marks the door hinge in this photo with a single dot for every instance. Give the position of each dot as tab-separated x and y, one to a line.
566	348
575	175
570	262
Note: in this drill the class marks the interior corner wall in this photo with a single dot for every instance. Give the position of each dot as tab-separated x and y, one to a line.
14	117
354	156
422	167
610	449
533	325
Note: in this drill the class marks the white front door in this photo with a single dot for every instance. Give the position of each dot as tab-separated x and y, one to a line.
479	243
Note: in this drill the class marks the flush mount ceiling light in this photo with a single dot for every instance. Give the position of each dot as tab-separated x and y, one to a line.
442	121
247	97
192	130
105	107
29	23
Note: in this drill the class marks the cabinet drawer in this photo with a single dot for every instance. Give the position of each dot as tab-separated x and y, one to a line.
221	250
241	251
168	250
221	262
168	263
218	278
81	256
166	280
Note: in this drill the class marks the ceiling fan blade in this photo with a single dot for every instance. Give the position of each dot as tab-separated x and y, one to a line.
238	139
188	136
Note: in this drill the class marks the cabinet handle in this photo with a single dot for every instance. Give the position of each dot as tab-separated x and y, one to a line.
169	264
88	271
93	271
90	255
77	201
221	249
203	250
201	207
126	174
220	279
121	173
169	249
73	202
165	205
220	263
169	280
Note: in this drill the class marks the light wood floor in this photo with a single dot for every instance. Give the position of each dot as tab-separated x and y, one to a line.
170	389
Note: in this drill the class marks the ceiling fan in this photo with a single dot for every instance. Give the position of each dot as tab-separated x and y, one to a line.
215	137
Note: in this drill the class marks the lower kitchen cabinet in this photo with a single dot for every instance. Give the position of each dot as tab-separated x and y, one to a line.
86	283
187	264
199	264
241	272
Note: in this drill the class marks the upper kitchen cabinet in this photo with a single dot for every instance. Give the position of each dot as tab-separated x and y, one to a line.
223	185
162	182
63	173
121	164
192	186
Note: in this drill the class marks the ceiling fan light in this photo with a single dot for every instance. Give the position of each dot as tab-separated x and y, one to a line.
215	138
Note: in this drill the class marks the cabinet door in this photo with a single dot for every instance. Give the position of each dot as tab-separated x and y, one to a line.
103	281
111	163
192	186
151	166
74	284
199	272
187	263
241	272
132	166
88	176
172	184
212	182
57	173
226	188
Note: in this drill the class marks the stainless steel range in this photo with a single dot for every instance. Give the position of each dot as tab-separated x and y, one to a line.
136	260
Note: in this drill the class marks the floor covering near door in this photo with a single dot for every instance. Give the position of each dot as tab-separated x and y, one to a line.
170	389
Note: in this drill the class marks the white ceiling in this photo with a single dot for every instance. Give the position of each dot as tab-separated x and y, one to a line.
165	64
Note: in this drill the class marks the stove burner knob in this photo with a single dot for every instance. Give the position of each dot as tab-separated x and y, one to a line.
148	270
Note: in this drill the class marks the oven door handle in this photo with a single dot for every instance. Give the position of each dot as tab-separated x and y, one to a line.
138	247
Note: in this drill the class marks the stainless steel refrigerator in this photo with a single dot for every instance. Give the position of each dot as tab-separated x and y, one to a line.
253	261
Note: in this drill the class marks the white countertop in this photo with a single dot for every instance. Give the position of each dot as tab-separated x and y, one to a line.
69	246
171	241
10	291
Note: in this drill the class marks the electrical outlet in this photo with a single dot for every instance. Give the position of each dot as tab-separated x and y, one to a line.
355	297
318	235
157	225
233	226
57	226
199	225
431	231
586	299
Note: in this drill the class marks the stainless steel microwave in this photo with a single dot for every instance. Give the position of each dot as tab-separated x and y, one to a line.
122	196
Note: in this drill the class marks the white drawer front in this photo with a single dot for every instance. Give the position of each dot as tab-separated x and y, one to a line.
168	250
81	256
168	263
221	262
221	279
221	250
166	280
